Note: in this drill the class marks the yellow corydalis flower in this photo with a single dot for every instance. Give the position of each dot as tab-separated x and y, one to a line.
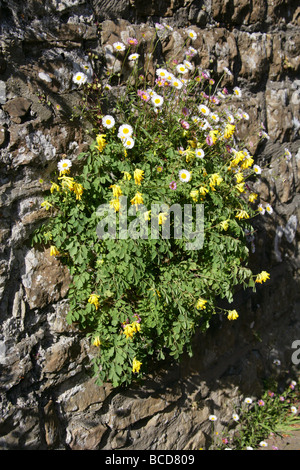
239	177
229	131
200	305
53	251
78	190
137	199
194	194
127	176
94	300
67	182
54	187
97	341
215	180
138	176
117	191
162	217
203	191
262	277
252	197
46	205
101	142
214	136
242	214
115	203
224	224
130	328
240	187
189	154
232	315
136	365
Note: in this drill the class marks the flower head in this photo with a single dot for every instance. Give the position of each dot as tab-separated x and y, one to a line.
157	100
64	166
134	56
184	176
237	92
232	315
94	300
136	365
199	153
125	130
191	34
200	305
262	277
137	199
119	46
138	176
257	169
212	418
101	142
108	121
79	78
181	68
97	341
53	251
173	185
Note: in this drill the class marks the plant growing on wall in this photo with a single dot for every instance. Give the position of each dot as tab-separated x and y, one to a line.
154	227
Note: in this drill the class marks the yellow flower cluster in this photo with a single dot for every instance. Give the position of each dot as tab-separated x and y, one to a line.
94	300
101	142
68	183
232	315
200	305
136	365
215	180
130	328
262	277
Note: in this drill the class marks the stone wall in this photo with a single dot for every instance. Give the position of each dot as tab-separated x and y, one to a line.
48	398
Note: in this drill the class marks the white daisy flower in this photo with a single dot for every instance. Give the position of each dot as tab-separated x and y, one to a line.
204	125
128	142
181	68
184	176
261	209
249	448
204	109
263	444
195	119
235	417
134	56
80	78
119	46
188	65
245	116
269	209
176	83
294	409
237	91
125	131
227	71
162	73
277	362
191	51
214	117
230	119
248	400
108	121
199	153
257	169
212	418
191	34
64	165
157	100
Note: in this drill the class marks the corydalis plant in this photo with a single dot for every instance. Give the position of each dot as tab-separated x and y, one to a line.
169	141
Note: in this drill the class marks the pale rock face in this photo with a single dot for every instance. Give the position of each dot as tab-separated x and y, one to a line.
49	400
